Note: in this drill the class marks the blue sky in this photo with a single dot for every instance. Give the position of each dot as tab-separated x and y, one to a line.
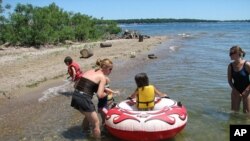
136	9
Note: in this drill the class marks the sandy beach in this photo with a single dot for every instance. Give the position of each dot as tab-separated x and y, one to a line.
27	72
28	67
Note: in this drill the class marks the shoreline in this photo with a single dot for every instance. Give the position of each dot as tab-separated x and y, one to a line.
24	117
28	69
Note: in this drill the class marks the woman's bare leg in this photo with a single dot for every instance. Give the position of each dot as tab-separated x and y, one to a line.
235	101
94	120
246	104
102	116
85	124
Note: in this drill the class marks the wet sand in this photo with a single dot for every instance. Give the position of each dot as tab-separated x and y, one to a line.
24	112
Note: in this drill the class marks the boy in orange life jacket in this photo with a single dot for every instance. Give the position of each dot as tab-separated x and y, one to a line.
145	93
73	69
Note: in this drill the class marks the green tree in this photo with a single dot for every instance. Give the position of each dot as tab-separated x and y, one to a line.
3	21
81	24
34	26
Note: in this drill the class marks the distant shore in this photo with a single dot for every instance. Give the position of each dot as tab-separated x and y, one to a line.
29	67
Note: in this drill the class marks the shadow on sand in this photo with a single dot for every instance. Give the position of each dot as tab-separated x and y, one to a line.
75	133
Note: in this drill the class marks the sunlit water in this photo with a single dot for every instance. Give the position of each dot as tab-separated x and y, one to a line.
192	68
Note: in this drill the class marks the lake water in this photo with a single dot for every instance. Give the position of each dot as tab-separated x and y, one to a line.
192	68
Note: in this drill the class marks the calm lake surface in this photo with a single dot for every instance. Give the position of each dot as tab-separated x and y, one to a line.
192	68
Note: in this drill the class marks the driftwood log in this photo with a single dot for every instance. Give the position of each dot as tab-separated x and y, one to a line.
86	53
105	45
140	38
152	56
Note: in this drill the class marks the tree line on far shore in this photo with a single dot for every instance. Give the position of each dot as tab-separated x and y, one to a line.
170	20
28	25
34	26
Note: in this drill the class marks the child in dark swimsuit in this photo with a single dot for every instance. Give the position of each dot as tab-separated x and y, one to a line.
107	102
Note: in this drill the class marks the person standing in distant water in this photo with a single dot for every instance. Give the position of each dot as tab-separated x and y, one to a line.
93	81
238	79
74	70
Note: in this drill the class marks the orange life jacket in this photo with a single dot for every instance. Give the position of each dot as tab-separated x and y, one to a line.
77	69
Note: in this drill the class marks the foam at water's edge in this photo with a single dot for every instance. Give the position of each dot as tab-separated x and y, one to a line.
55	91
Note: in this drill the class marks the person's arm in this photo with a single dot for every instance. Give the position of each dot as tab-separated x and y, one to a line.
247	90
108	90
100	91
73	73
159	93
229	76
133	94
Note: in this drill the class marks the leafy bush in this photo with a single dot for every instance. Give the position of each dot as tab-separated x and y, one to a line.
32	26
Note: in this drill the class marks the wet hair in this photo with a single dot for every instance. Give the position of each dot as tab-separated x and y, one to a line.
237	49
141	80
105	63
68	59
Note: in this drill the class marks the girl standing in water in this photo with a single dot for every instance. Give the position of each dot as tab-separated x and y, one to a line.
238	79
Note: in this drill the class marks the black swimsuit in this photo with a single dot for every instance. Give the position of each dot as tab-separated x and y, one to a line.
82	97
240	78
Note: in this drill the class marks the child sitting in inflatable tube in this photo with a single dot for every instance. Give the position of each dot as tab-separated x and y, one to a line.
145	93
107	102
